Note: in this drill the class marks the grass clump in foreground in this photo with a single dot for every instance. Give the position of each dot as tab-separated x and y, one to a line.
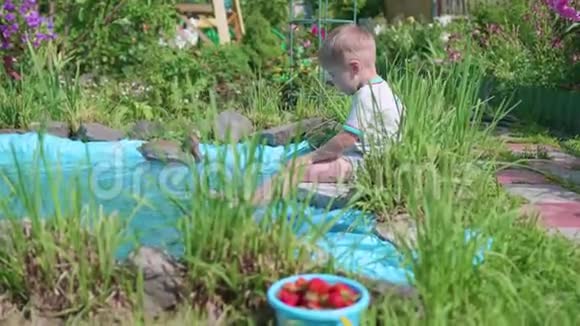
229	259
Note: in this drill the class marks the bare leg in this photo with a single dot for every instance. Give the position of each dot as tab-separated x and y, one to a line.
335	171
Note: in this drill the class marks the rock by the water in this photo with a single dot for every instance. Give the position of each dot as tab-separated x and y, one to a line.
55	128
163	279
400	230
232	126
145	130
172	151
97	132
12	131
283	135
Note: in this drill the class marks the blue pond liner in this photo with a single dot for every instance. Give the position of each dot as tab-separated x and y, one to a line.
116	174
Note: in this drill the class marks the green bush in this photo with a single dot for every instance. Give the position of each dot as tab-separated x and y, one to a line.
263	47
275	11
410	41
110	36
522	44
227	66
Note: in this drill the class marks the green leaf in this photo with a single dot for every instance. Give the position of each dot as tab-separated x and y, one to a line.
571	28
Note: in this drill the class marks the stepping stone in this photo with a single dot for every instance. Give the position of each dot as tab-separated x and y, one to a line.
520	176
324	194
565	159
558	170
563	214
233	125
401	230
98	132
145	130
571	233
55	128
538	193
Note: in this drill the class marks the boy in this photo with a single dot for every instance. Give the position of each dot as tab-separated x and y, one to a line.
348	54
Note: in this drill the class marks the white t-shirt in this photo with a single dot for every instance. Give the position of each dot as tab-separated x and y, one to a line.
375	115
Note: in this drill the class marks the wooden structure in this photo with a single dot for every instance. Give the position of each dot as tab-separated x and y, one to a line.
216	15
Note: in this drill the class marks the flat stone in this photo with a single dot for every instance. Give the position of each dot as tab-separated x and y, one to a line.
563	214
283	135
519	176
12	131
232	126
537	193
145	130
97	132
564	159
162	276
400	230
571	233
325	195
54	128
557	169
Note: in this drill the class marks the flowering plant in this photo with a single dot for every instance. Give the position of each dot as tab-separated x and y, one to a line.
20	24
565	9
307	44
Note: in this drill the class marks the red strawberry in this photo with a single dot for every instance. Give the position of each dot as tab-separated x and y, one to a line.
336	301
318	285
301	284
290	287
289	298
344	291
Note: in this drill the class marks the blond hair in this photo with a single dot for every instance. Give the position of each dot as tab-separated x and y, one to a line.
348	42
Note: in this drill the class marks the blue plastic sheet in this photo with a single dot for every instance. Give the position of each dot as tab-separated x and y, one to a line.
118	172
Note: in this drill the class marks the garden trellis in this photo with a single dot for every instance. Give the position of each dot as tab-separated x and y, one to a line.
322	20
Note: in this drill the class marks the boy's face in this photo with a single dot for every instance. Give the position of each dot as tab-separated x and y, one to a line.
345	77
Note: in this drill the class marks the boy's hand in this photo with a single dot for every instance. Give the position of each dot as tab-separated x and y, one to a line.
300	161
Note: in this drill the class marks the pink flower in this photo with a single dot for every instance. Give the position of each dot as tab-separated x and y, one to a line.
306	44
564	8
315	30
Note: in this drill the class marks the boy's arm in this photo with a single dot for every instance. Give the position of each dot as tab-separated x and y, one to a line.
333	148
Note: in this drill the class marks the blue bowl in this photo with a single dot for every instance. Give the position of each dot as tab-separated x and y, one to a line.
349	316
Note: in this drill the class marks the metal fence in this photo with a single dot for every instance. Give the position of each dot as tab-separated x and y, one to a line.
461	7
452	7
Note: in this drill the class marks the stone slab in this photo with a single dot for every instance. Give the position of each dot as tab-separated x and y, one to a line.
564	159
560	170
538	193
565	214
520	176
326	195
570	233
400	230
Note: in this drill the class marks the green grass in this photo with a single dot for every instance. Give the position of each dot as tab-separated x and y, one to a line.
65	265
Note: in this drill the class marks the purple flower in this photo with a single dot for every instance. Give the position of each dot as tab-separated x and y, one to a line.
564	8
10	17
33	19
9	6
